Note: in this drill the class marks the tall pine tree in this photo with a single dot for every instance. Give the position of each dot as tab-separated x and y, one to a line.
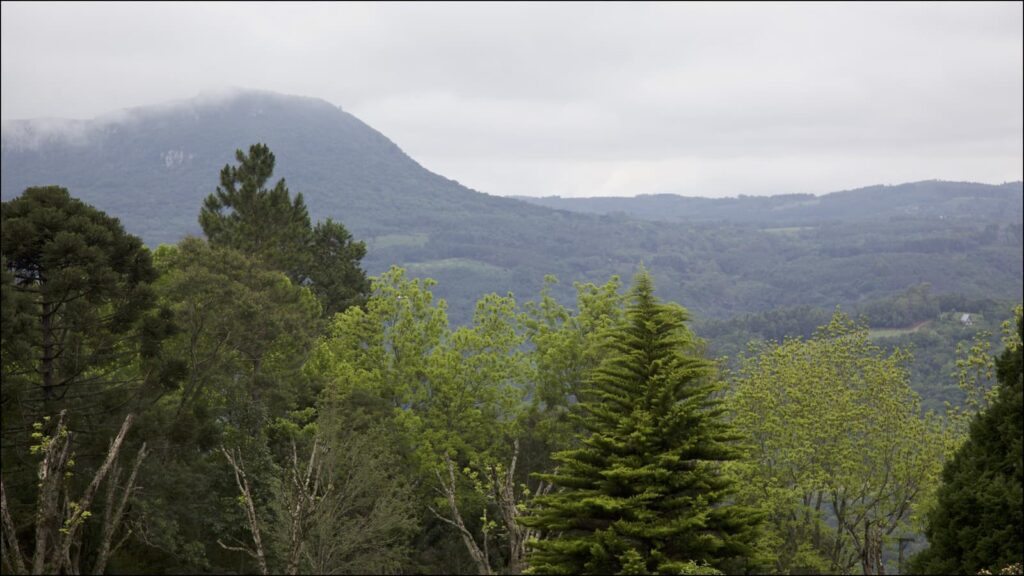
269	225
644	492
978	521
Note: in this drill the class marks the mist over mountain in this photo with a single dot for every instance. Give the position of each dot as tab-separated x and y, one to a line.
151	167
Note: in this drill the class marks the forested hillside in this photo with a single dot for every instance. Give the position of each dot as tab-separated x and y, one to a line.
151	167
933	200
249	401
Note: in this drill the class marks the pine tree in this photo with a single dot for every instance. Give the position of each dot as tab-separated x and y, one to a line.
978	521
644	492
269	225
244	215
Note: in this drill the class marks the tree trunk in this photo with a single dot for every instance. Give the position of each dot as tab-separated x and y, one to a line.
483	564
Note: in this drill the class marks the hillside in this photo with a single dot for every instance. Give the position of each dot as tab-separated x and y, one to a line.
152	166
918	200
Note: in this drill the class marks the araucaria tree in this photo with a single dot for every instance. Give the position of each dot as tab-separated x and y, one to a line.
77	308
644	492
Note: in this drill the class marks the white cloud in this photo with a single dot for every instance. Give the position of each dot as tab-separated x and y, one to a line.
702	98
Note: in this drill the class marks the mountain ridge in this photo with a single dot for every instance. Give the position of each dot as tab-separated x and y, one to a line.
152	166
939	199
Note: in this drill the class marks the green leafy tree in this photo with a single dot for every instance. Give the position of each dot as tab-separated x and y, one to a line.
269	225
455	394
243	333
978	520
645	492
842	458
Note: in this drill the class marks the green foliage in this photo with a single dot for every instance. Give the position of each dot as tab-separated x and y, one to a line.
841	455
242	335
269	226
76	287
644	492
453	394
258	222
365	518
978	518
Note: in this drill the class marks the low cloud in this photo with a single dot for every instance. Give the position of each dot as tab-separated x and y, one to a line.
564	99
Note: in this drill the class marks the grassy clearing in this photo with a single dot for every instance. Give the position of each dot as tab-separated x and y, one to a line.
787	230
889	332
449	264
389	240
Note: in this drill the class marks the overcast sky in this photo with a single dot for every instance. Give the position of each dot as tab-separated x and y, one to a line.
576	99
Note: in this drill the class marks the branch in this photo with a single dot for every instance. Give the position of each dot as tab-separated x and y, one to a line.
11	536
479	557
111	522
74	523
250	509
50	472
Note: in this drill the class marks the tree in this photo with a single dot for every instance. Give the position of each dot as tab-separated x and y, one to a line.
258	222
79	287
366	515
272	227
242	335
334	273
644	492
455	394
978	520
59	521
841	456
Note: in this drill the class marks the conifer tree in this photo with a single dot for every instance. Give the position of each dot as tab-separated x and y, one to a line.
644	492
269	225
978	521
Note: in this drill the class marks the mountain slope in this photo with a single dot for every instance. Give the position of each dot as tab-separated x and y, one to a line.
931	199
151	167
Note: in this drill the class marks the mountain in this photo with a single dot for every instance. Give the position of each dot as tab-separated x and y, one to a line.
931	199
151	167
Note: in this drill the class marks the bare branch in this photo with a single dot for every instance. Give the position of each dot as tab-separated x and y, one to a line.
14	554
112	522
74	523
250	509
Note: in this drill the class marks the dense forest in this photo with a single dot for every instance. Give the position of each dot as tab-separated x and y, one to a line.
248	399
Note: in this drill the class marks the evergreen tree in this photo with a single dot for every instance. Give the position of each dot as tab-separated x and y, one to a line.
243	214
978	521
77	304
335	275
644	492
268	225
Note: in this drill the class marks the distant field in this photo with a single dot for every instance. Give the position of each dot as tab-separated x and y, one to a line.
389	240
787	229
466	264
888	332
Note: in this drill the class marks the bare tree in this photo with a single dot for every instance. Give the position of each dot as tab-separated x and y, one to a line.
367	512
305	494
234	458
511	507
448	488
500	489
58	518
